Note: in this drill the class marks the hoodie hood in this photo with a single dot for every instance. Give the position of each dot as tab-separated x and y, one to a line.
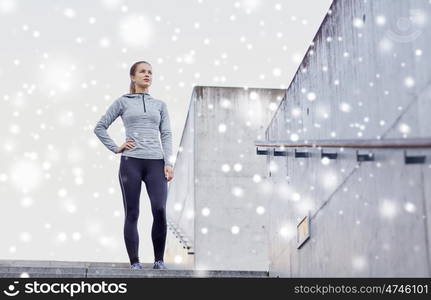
135	95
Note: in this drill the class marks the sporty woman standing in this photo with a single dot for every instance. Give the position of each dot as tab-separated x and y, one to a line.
146	121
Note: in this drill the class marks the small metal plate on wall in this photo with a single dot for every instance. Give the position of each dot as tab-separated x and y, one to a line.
303	231
301	154
280	152
364	156
328	155
417	158
261	152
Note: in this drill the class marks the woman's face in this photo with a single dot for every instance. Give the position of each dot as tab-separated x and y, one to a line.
143	75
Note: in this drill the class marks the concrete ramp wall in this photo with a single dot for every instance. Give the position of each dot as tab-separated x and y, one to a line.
215	200
366	77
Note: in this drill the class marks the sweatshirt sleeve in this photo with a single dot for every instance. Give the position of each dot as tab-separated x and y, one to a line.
114	110
166	134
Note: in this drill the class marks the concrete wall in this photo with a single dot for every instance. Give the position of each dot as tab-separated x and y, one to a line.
365	76
216	175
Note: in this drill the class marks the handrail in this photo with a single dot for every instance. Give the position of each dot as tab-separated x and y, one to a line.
183	239
357	143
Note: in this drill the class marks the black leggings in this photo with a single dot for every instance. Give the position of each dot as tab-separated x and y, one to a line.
131	174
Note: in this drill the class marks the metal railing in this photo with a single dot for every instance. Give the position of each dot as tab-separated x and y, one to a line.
363	144
181	236
358	144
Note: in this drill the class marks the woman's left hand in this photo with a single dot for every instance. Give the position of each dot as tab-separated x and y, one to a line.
169	173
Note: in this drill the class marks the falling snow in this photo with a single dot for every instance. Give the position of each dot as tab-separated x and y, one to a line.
69	175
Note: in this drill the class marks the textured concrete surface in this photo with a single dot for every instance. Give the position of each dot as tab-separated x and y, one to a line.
366	76
69	269
215	193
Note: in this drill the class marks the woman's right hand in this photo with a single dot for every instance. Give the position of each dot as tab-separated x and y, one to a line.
127	145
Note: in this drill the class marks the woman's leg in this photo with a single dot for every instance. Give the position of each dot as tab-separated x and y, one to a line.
157	188
130	181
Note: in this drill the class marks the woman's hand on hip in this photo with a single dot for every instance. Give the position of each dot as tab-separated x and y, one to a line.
169	172
127	145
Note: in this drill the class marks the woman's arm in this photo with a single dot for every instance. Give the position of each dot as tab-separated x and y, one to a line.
105	121
166	134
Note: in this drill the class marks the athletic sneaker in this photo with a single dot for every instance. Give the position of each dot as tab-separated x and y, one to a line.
136	266
159	265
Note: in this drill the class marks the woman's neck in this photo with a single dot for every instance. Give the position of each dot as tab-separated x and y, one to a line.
139	91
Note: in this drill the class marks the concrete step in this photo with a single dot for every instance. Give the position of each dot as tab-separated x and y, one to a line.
71	269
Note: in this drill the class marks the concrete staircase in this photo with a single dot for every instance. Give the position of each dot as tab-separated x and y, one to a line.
72	269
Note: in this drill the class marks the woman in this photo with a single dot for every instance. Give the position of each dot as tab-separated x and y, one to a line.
142	159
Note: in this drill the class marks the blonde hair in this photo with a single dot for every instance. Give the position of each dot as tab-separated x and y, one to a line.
132	88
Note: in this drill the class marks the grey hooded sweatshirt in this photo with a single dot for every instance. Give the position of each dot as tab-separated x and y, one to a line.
146	120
